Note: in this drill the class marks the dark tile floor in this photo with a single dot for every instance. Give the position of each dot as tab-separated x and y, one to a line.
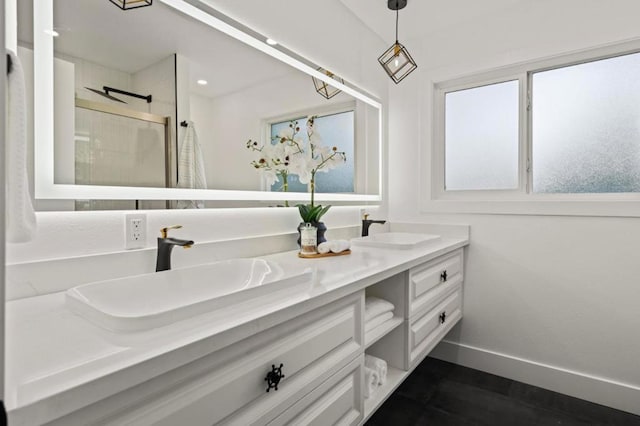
439	393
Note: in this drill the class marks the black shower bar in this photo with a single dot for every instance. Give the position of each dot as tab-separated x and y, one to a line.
9	64
124	92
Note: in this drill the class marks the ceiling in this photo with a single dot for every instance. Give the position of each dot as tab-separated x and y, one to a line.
421	17
130	41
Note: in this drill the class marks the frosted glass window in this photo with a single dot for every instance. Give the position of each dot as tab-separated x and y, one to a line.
586	127
481	137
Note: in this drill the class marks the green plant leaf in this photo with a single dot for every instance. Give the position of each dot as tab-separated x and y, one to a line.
322	212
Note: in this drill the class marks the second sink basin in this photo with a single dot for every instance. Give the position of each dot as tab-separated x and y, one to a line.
397	240
152	300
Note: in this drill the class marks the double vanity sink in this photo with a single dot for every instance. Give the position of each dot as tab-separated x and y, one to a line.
153	300
206	336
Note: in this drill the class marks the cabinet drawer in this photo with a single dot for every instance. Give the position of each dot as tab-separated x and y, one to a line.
429	282
427	330
336	402
229	387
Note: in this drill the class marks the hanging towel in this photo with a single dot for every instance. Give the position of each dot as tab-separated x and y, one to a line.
379	365
374	322
191	167
374	306
370	382
21	219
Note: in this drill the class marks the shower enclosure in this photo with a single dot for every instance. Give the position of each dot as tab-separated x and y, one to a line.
117	146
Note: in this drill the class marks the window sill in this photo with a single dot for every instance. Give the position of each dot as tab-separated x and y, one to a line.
537	207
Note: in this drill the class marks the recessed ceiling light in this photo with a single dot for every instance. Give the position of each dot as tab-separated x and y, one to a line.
53	33
271	42
202	82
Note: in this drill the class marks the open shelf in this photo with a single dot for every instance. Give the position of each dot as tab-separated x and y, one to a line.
380	331
394	378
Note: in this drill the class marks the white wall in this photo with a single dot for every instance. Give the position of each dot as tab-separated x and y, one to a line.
551	301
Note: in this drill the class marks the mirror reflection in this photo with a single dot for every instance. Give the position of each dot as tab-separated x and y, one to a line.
154	98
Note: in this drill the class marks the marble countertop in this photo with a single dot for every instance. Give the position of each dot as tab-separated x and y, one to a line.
57	362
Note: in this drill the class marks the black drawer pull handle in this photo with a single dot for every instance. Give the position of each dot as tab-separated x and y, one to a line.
443	276
443	317
273	377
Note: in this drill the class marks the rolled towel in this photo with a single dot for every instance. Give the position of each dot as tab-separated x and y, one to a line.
338	246
370	325
374	306
370	382
324	247
379	365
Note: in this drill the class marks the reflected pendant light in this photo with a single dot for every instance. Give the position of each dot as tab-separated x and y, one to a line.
397	61
131	4
325	89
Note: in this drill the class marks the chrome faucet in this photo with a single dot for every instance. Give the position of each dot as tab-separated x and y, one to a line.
366	223
165	246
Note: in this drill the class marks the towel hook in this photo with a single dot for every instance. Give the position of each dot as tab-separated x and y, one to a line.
184	123
9	64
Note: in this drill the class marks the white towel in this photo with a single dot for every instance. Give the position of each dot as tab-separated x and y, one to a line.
374	322
379	365
191	167
370	382
338	246
374	306
21	219
324	247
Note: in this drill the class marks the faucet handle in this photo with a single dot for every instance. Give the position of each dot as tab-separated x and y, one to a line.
164	231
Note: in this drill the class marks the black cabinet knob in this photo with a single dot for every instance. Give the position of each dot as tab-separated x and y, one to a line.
443	317
443	276
273	377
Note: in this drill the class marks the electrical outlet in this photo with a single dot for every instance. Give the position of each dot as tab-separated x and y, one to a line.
135	231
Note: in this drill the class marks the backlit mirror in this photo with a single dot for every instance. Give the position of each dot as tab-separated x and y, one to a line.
170	102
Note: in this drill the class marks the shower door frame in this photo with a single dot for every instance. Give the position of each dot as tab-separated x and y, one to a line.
169	151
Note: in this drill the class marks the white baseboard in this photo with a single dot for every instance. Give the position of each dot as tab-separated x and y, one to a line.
600	390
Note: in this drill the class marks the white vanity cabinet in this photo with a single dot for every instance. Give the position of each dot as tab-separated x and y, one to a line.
229	387
321	349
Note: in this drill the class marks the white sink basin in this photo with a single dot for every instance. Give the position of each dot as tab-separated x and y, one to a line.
397	240
147	301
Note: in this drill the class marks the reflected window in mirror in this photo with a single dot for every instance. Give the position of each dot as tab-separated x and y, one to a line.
333	129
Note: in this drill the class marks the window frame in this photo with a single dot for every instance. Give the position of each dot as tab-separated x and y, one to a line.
435	199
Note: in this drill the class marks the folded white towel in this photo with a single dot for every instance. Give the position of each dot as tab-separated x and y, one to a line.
324	247
338	246
374	306
370	382
21	218
379	365
374	322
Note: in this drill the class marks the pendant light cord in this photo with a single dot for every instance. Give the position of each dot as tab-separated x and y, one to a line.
397	16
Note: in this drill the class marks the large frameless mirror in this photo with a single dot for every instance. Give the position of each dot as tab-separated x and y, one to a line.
171	102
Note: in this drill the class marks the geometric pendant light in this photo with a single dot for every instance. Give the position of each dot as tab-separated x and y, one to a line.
325	89
396	60
131	4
